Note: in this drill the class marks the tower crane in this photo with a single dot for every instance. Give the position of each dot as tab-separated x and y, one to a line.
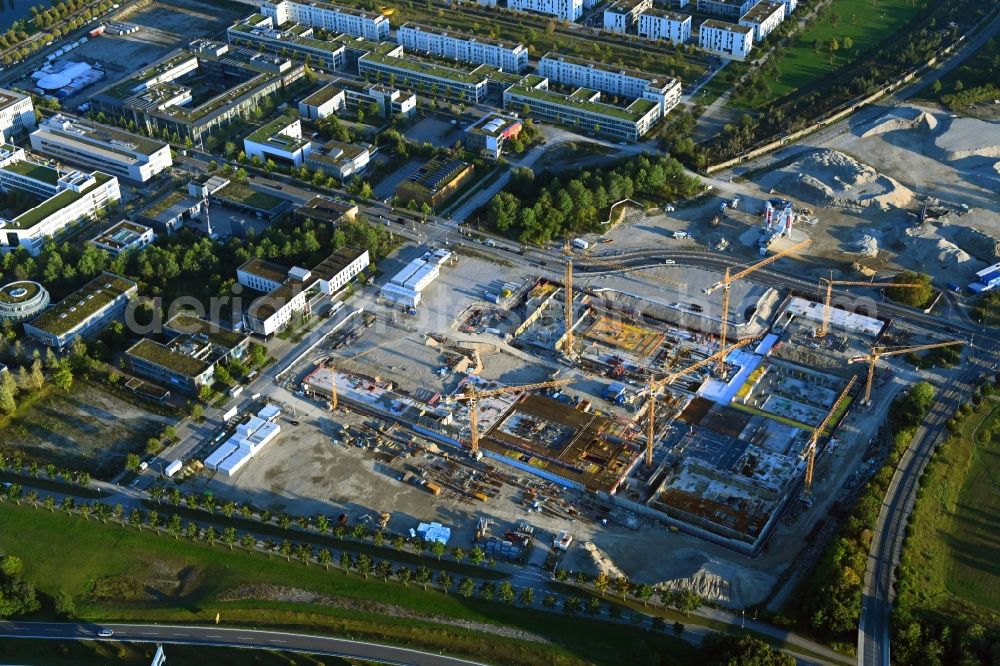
473	396
654	386
730	277
568	339
810	451
333	376
850	283
878	352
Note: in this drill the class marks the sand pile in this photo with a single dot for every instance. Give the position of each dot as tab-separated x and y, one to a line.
903	118
928	245
866	246
969	137
719	582
831	178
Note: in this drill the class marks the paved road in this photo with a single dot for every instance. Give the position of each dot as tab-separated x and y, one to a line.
219	636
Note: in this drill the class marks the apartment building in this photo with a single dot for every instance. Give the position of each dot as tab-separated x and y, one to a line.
330	17
505	56
582	109
280	140
564	10
83	313
729	8
291	41
17	114
621	15
292	292
341	160
113	151
764	17
61	198
323	103
668	26
728	40
627	83
450	80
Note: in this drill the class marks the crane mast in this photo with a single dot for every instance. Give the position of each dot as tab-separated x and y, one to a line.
814	440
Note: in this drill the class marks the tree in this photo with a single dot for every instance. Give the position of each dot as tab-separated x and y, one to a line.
63	603
7	404
324	557
345	562
725	649
363	564
458	553
132	462
422	575
37	378
444	580
622	586
550	601
506	591
914	296
645	593
467	587
438	549
198	412
601	582
229	537
527	596
62	377
404	575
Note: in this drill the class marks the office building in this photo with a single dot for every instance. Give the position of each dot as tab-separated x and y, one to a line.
17	114
729	8
506	56
58	199
450	80
113	151
279	140
728	40
197	90
295	292
386	101
84	312
621	15
764	17
325	102
564	10
22	300
124	236
330	17
491	132
326	210
290	41
671	27
582	110
434	182
627	83
341	160
405	288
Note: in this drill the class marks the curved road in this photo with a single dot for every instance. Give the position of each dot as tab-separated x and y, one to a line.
225	637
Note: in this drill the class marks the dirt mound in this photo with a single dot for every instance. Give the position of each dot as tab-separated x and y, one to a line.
717	582
866	246
928	244
969	137
904	118
831	178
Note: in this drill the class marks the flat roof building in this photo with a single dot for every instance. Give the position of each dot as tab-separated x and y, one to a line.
124	236
280	140
61	198
22	300
728	40
330	17
764	17
291	40
630	83
435	181
450	80
326	210
506	56
621	15
17	115
491	132
84	312
325	102
113	151
564	10
389	101
729	8
672	27
405	287
340	160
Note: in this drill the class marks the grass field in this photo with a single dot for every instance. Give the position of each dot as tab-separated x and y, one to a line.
121	574
980	71
866	22
952	558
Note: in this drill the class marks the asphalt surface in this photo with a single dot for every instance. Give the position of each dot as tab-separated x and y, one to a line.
225	637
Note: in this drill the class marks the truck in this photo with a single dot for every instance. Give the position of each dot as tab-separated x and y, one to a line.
580	244
173	468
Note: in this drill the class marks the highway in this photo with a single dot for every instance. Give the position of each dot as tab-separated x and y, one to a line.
226	637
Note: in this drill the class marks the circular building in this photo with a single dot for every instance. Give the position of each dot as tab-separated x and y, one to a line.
23	300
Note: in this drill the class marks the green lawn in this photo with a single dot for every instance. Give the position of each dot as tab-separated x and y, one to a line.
951	562
866	22
122	574
975	80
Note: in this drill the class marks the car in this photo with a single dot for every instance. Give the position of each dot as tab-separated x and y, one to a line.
669	262
401	220
293	422
105	633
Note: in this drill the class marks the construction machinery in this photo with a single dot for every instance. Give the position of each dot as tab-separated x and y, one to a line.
730	277
654	386
810	451
878	352
568	339
850	283
473	396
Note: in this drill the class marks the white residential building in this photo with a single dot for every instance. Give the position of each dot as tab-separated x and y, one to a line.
507	56
731	8
764	18
565	10
790	6
63	198
455	80
17	114
332	18
111	150
728	40
628	83
668	26
280	140
621	15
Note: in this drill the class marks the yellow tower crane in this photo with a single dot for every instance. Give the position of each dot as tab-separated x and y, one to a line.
810	451
656	385
473	396
568	319
333	376
878	352
850	283
730	277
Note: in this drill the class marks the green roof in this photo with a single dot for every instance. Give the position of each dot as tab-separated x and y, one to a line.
162	355
34	171
576	100
31	290
241	194
76	308
267	132
450	72
164	203
184	322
